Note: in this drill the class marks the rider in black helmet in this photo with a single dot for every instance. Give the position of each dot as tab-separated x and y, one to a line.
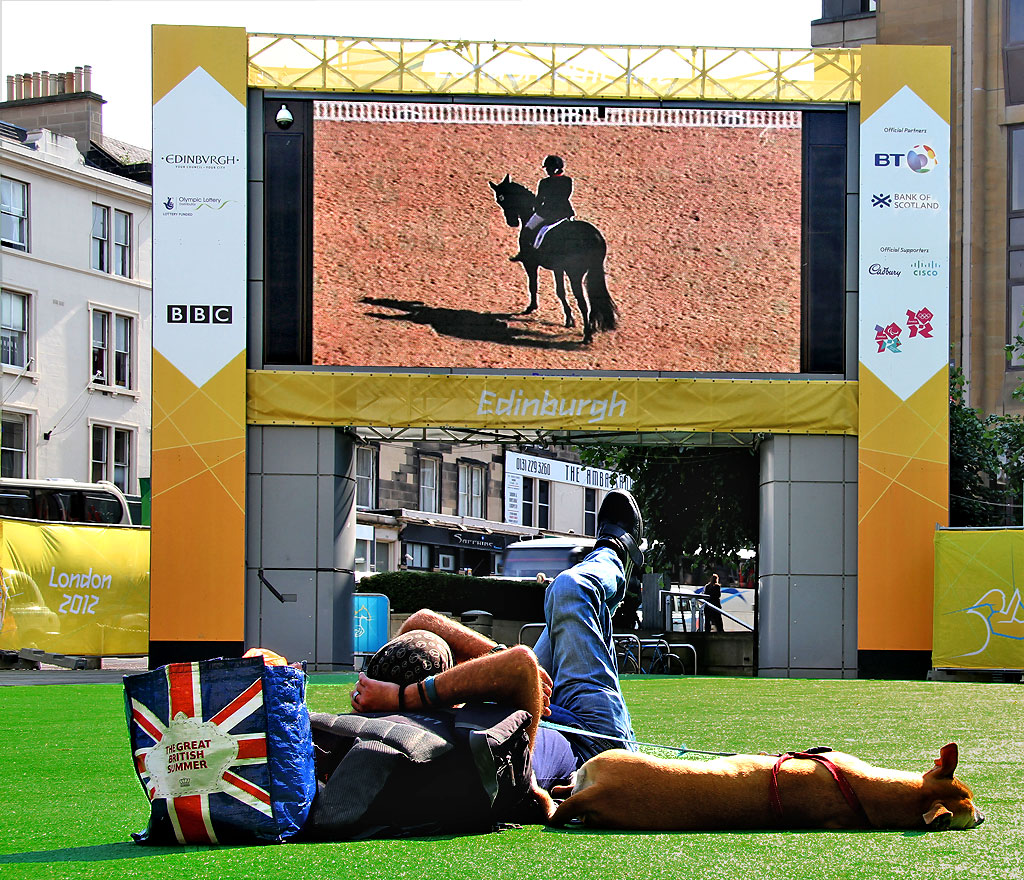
553	194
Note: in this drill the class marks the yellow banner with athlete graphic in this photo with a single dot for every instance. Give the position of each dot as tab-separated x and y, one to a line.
979	618
74	589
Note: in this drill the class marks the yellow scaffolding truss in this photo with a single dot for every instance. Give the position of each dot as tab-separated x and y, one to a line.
537	70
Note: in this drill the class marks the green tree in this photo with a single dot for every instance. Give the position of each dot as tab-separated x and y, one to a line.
700	504
986	460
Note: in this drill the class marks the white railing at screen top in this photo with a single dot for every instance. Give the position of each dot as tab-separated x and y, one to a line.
513	114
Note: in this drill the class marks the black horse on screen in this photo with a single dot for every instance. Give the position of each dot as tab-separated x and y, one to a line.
573	247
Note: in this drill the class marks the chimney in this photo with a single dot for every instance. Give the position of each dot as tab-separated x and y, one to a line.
60	102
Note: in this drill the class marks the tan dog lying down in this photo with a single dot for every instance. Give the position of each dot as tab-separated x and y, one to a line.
620	789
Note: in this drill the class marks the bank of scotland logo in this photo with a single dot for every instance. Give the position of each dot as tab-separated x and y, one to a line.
883	200
921	158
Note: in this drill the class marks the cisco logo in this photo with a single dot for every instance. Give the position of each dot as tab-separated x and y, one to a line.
186	314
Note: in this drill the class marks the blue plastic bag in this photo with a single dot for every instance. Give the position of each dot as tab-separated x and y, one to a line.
223	750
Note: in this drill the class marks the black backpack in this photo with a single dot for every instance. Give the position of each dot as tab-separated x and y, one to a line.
419	774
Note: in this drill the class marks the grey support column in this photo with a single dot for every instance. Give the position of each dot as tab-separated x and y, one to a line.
343	582
300	543
807	599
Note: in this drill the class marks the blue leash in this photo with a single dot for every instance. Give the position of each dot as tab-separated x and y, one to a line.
681	750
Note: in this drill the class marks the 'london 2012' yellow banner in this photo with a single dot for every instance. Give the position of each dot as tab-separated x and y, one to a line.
74	589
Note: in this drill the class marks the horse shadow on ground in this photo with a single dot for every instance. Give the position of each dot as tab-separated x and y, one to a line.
469	325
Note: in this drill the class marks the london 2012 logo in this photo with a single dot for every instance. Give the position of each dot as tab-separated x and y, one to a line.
921	158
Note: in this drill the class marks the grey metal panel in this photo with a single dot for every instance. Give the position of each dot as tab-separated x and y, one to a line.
325	523
253	454
850	623
817	672
254	124
773	623
850	529
775	459
253	520
816	623
324	618
289	450
850	451
254	327
816	528
334	625
255	231
252	608
852	281
852	369
289	521
774	529
853	149
344	453
816	458
327	456
287	627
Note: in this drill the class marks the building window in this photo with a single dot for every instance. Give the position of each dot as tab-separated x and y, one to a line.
1013	51
543	504
14	214
363	561
13	329
471	490
14	445
366	476
536	503
382	559
417	555
112	336
590	512
100	238
430	471
122	244
111	457
1015	244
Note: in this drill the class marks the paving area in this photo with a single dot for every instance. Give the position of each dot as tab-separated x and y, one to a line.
112	670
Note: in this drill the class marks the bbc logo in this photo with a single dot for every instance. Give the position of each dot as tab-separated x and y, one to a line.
199	314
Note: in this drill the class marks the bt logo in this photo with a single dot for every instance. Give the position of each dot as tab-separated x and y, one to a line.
920	158
198	314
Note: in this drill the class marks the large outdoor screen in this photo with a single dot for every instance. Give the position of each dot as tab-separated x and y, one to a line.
686	231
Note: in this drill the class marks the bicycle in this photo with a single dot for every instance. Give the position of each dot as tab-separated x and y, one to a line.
664	662
630	661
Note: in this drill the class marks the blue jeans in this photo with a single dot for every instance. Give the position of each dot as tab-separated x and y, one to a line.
577	650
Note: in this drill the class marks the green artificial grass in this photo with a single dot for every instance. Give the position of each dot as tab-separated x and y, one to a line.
69	797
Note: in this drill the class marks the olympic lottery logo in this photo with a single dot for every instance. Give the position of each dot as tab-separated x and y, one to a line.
921	158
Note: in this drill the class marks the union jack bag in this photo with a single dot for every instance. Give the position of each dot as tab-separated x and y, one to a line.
223	750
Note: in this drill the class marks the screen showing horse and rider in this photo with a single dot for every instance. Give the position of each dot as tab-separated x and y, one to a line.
556	238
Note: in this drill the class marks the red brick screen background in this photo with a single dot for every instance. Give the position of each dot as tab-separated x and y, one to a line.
411	251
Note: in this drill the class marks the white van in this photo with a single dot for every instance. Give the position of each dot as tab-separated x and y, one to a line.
547	556
64	501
